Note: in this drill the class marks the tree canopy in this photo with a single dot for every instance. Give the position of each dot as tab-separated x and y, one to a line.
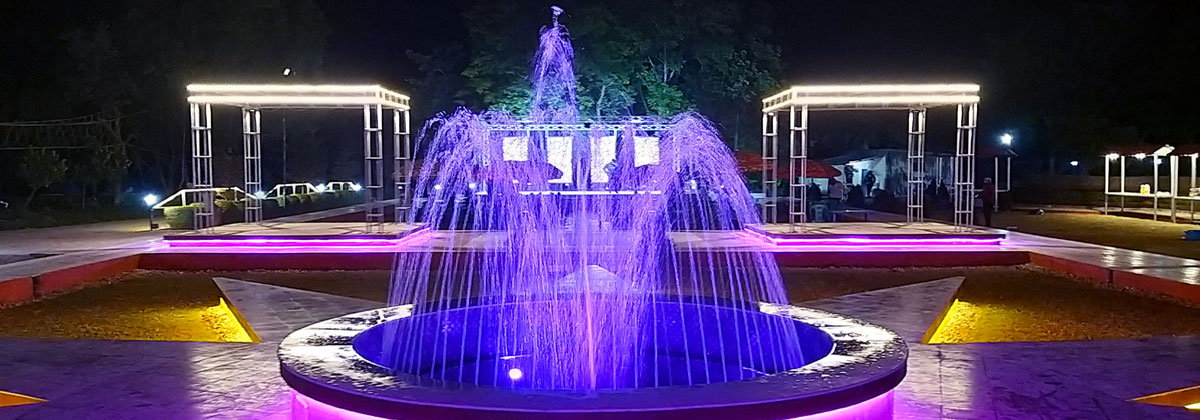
632	57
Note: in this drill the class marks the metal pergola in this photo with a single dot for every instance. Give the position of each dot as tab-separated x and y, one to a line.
916	99
253	98
517	138
1154	192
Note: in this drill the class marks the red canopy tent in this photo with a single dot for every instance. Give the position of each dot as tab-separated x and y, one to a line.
752	162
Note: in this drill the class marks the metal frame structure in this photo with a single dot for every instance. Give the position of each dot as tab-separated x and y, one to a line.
650	126
1155	193
916	99
252	98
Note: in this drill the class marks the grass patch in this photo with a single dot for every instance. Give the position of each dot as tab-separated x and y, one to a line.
1031	304
141	305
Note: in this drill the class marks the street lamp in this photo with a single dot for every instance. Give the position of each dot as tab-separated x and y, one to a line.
151	200
1074	163
1006	139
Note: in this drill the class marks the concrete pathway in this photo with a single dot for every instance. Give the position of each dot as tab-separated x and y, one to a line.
83	379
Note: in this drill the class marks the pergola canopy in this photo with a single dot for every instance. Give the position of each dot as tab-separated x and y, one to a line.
884	96
296	96
253	98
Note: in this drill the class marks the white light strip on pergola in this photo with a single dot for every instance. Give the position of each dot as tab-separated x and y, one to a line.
296	95
902	96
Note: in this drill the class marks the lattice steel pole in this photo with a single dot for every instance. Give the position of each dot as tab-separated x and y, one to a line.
916	166
964	166
201	131
252	162
401	170
770	149
373	165
797	181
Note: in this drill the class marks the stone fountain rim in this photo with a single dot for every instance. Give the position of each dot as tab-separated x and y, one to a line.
320	362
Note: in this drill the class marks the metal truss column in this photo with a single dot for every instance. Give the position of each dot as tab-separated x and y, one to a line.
1192	199
402	156
770	157
202	172
1122	183
915	210
797	181
1107	182
252	162
964	166
373	166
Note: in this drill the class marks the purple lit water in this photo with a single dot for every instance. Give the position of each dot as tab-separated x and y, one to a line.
583	287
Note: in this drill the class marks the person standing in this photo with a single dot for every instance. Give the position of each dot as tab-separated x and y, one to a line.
837	191
869	182
988	196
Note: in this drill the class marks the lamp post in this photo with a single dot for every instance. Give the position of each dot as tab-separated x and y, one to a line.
150	200
1006	140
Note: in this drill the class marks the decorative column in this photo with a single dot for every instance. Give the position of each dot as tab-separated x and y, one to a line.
252	162
202	175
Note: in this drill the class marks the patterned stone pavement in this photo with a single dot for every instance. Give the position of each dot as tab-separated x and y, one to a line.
179	380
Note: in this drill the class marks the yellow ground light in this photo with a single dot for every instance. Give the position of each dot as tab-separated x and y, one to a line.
1188	398
1035	305
137	306
8	399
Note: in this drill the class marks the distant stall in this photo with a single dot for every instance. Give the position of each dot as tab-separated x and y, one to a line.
1151	190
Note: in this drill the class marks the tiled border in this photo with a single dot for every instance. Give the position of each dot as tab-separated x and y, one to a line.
24	288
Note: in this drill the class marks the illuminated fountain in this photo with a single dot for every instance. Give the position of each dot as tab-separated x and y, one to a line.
555	281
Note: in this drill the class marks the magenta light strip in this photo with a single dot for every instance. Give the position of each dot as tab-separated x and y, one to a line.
880	407
295	242
866	241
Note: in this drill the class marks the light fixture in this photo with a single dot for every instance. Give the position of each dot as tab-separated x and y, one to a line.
287	71
1139	156
472	185
1112	156
260	195
1074	163
515	374
320	188
150	200
1006	139
355	187
1163	151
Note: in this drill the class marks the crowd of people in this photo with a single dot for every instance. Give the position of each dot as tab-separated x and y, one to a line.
838	196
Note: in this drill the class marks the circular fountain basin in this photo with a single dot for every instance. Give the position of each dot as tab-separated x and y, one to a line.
338	369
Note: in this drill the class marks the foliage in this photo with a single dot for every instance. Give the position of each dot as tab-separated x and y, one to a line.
128	61
632	57
40	168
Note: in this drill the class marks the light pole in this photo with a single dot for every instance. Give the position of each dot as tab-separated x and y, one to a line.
1006	140
151	200
287	71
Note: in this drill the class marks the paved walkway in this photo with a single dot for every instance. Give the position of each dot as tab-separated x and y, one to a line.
159	380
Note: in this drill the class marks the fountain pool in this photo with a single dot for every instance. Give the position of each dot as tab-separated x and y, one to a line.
581	305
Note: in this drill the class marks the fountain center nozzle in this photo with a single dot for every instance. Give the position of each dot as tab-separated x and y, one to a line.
556	11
